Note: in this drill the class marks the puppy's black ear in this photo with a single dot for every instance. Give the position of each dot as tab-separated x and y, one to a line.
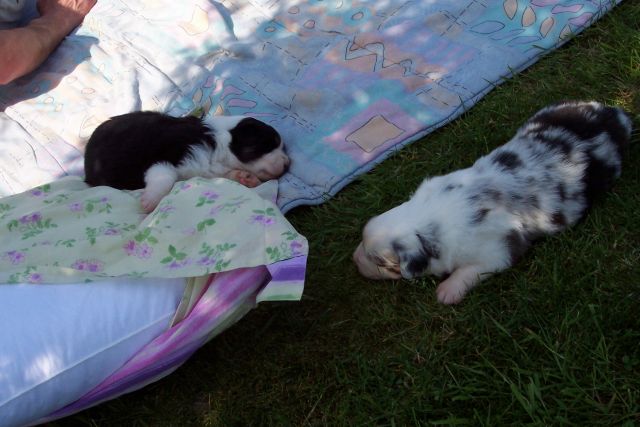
252	139
415	254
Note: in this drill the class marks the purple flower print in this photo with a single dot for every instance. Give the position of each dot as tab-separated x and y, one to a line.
29	219
175	264
80	265
185	186
295	248
214	210
37	192
95	266
206	261
130	247
144	251
210	195
189	231
92	266
167	209
34	278
111	232
15	257
262	219
76	207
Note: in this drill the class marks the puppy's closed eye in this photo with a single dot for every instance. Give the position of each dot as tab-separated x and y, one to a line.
386	264
394	269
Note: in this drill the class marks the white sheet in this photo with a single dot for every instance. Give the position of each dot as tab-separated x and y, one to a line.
59	341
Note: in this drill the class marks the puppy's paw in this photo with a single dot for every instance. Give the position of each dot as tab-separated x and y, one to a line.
243	177
453	289
150	199
450	292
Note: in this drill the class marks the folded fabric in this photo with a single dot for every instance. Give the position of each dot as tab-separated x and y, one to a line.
66	231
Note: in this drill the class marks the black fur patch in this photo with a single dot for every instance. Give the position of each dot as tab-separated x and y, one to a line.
451	187
252	139
486	195
415	261
507	159
558	219
562	193
120	150
573	118
492	194
430	244
598	178
517	244
554	143
479	216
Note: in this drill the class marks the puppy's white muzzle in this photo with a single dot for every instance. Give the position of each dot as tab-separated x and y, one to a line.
370	269
271	166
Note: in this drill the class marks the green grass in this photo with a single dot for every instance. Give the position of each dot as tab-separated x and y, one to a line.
553	341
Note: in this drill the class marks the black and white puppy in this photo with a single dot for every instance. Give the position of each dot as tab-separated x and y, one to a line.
477	221
152	150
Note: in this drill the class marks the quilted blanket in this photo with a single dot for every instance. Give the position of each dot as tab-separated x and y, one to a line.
345	82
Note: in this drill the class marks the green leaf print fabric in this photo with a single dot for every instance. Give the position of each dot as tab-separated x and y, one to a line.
65	231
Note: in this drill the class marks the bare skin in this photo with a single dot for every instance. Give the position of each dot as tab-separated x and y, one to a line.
23	49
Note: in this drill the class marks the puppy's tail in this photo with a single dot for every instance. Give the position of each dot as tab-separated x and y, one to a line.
622	135
605	155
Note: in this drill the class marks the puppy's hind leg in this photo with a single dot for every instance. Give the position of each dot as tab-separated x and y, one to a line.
453	289
159	180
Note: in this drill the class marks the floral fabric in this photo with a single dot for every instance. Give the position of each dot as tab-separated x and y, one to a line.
65	231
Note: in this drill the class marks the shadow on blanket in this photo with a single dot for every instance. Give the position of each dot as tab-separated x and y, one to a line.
68	56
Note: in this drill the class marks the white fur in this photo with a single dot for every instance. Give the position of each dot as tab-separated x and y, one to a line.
269	166
474	222
207	162
159	180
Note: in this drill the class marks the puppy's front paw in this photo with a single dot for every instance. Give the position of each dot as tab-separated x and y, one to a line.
243	177
150	199
450	292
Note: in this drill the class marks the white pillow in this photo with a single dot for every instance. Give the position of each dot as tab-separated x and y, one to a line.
57	342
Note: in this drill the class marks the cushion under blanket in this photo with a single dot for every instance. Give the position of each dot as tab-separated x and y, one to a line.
59	341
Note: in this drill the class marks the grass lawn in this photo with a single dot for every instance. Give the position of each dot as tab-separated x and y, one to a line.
552	341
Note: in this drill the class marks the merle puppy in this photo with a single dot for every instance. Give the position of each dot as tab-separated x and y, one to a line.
152	150
477	221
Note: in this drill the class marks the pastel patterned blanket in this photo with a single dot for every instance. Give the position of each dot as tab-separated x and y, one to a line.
346	82
66	231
